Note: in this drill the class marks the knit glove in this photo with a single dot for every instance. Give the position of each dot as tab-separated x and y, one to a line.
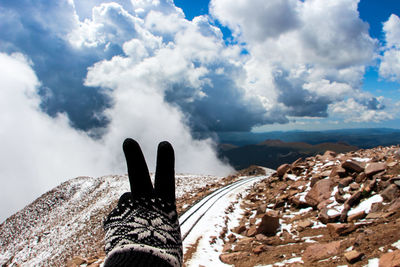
143	230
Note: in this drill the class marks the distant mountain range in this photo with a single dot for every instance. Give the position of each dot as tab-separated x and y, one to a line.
275	148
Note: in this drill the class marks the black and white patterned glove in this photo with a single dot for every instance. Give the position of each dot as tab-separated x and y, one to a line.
143	230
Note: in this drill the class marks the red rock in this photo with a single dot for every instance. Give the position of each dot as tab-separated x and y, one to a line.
338	171
297	202
353	166
321	251
325	218
395	206
239	229
390	193
319	192
231	258
356	216
329	155
227	248
361	177
304	224
269	225
354	198
346	181
262	238
374	167
354	186
324	203
259	249
391	259
282	169
340	229
251	231
353	256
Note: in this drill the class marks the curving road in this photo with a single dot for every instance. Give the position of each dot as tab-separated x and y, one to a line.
206	219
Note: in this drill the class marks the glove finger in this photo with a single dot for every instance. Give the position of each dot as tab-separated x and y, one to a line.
138	172
165	173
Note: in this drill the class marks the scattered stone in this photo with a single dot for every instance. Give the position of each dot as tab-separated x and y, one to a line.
239	229
259	249
321	251
319	192
390	193
231	258
377	206
354	198
340	229
282	169
338	171
374	167
361	177
353	166
353	256
227	248
346	181
356	216
354	186
391	259
301	225
262	238
395	206
325	217
251	231
269	225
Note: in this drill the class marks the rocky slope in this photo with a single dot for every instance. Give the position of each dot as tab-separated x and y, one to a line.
64	226
328	210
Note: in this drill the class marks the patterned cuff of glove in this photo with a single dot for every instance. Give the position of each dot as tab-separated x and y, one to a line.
143	228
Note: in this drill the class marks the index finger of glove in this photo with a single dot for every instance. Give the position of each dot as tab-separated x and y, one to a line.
138	172
165	173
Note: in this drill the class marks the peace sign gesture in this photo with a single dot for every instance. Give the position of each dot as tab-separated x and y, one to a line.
143	230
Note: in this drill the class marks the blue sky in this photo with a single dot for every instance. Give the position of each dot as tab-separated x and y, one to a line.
77	77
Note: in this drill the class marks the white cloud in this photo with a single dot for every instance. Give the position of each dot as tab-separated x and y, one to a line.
390	62
317	57
38	152
351	110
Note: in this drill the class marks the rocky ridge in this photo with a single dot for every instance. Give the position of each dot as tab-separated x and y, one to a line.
330	210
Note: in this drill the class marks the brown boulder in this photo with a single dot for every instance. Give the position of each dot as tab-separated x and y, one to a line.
353	256
260	248
325	217
346	181
338	171
353	166
361	177
231	258
354	199
269	225
374	167
391	259
395	206
282	169
356	216
340	229
390	193
319	192
321	251
301	225
251	231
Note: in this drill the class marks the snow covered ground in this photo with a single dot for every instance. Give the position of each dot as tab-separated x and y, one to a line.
224	214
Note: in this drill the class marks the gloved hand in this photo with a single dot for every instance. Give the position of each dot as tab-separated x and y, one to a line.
143	230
